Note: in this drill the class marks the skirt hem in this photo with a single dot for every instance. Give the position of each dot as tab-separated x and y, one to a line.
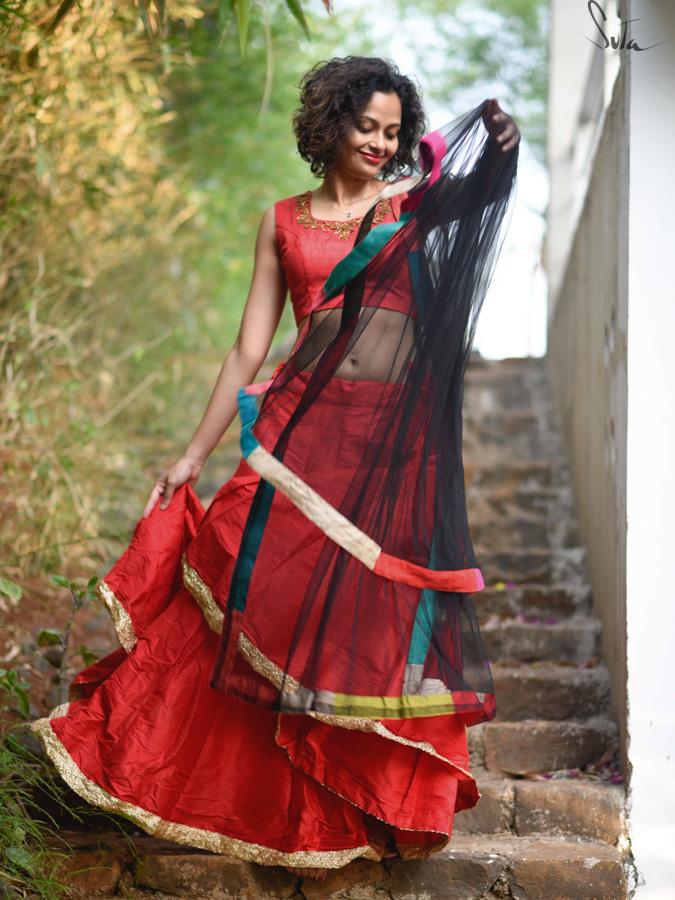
200	838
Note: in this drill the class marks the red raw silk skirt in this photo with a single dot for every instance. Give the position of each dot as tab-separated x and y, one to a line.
146	736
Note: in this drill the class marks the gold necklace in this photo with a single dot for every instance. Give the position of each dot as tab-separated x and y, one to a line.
347	212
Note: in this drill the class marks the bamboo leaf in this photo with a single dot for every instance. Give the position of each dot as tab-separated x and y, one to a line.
242	11
298	14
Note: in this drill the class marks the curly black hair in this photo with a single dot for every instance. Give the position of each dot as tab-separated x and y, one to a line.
333	94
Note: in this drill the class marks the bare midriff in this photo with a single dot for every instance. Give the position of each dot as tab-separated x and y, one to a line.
377	352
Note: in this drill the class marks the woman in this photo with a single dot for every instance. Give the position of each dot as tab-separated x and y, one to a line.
299	663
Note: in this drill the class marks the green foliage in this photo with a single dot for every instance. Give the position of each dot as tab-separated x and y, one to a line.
28	860
10	589
13	688
296	10
236	160
242	11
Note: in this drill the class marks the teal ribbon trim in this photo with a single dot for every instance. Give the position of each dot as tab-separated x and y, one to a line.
255	527
424	622
250	547
248	413
421	634
359	257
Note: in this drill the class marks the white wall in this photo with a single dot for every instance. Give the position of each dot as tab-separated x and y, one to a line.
650	548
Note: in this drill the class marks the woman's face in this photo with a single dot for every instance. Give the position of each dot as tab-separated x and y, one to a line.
371	142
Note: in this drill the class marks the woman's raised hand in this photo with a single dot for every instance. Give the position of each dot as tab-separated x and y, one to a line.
186	470
501	126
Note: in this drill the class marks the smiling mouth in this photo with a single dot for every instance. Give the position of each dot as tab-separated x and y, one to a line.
371	157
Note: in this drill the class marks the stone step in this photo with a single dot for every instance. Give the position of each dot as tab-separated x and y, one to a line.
527	368
516	475
500	533
504	502
513	601
549	691
533	638
502	505
513	394
509	382
563	565
540	746
529	867
493	442
525	421
572	807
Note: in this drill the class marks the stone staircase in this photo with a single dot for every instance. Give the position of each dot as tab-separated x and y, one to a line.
550	822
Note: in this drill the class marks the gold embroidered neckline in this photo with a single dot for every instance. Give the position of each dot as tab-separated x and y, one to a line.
343	228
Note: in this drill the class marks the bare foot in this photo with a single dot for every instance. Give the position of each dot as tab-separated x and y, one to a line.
306	872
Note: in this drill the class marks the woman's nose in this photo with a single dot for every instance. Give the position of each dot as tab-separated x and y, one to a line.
378	141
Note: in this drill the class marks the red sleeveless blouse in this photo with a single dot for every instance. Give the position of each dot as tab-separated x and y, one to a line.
309	248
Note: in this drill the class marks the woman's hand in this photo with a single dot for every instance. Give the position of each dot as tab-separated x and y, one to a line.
186	470
501	126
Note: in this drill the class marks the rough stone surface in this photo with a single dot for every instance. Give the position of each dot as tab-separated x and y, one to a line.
471	867
494	811
462	871
213	876
574	640
548	870
550	692
91	873
516	475
566	565
501	532
360	880
539	746
574	807
476	746
534	600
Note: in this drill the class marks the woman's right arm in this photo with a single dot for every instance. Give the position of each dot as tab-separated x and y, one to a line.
260	319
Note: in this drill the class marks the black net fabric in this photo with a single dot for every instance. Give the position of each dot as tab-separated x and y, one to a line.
353	591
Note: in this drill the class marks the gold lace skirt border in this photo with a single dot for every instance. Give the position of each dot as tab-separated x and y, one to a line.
214	842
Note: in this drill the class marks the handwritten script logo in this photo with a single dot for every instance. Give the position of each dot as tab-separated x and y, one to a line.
621	41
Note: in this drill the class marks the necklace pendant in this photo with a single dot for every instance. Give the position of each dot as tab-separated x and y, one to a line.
349	214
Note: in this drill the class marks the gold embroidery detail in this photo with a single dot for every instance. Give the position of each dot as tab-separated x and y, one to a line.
201	592
120	617
265	667
212	841
343	229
